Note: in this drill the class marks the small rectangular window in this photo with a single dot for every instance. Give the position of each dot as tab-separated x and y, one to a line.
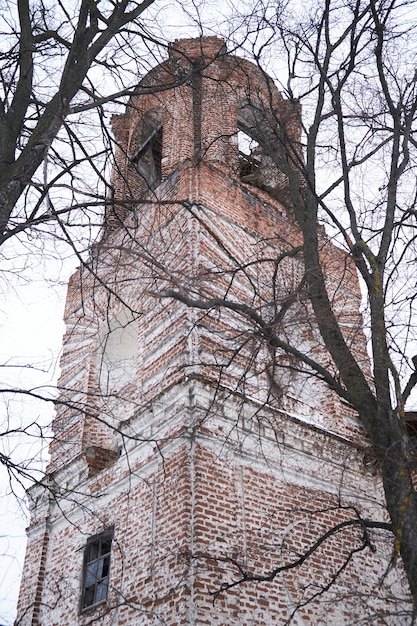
96	569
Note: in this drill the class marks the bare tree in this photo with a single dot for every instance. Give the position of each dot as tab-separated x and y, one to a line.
61	65
359	110
57	63
62	69
352	67
373	130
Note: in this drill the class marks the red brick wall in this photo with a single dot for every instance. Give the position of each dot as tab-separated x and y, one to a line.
186	510
206	458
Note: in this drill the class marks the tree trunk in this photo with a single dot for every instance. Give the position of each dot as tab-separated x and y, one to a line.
385	431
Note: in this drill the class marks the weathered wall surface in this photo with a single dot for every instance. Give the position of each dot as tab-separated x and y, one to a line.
209	492
213	455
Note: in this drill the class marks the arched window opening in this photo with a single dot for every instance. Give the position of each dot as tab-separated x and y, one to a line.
148	158
146	152
256	132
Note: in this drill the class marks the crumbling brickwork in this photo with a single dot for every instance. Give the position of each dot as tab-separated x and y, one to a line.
212	457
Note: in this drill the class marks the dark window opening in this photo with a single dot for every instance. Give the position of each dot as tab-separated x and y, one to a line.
96	570
148	158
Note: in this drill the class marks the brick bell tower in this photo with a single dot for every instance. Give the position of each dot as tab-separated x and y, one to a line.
187	453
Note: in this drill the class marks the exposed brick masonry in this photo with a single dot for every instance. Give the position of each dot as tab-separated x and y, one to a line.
175	427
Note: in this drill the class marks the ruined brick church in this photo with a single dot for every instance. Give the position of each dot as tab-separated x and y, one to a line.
198	473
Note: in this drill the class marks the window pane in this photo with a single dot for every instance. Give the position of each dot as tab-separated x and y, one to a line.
101	590
96	570
91	573
105	567
89	596
92	551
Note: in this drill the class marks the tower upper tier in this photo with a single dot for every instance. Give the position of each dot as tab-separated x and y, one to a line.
204	104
